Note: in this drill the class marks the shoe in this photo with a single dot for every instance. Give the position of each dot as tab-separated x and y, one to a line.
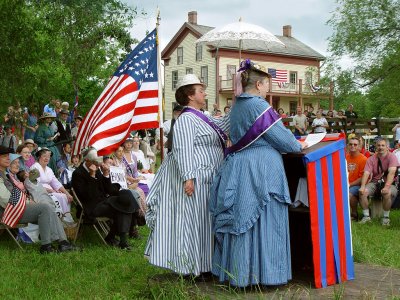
134	234
111	241
67	247
48	248
385	221
125	247
365	219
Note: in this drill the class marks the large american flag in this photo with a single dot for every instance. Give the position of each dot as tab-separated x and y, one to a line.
129	102
15	207
278	76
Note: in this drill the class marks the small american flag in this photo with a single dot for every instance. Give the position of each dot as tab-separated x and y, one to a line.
129	102
278	75
15	207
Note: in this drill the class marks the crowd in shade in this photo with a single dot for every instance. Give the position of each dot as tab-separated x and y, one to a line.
214	207
38	164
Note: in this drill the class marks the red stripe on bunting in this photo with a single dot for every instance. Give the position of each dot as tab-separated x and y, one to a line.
330	259
339	190
313	202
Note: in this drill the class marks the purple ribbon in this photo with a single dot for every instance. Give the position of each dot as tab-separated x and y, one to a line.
264	122
221	134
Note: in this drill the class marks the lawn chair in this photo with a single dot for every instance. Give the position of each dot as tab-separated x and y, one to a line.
100	225
8	229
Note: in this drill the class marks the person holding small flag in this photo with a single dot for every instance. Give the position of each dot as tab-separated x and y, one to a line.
17	207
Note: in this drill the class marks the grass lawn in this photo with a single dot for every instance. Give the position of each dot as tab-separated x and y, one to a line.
100	272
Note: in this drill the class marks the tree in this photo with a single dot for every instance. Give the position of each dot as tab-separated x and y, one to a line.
368	31
55	48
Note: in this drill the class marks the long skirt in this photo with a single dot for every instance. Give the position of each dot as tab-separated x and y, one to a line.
259	256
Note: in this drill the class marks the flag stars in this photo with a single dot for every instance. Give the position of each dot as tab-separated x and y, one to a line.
131	68
137	64
145	49
141	52
142	62
151	75
135	57
146	75
137	72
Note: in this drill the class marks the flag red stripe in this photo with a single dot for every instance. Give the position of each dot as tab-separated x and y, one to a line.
148	94
145	125
146	110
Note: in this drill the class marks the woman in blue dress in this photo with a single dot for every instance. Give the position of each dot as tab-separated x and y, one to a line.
250	195
44	137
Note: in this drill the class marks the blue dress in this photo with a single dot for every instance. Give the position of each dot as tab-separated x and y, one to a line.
249	203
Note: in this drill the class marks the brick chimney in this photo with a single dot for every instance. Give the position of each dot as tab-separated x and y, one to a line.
287	30
192	17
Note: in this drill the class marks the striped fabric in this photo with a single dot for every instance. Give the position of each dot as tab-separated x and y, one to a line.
330	217
180	238
15	207
129	102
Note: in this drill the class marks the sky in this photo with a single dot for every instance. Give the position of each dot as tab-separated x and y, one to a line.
307	17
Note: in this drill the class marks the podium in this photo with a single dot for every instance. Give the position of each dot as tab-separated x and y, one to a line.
321	234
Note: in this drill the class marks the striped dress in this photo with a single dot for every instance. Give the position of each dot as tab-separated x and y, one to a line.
180	238
249	203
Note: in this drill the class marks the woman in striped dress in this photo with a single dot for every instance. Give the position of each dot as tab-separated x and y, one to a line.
178	211
250	196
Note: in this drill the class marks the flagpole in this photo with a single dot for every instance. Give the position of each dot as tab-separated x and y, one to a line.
160	92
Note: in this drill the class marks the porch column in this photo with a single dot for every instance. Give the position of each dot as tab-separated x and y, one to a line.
331	95
300	93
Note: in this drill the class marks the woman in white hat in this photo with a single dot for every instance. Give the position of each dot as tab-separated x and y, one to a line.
45	136
178	212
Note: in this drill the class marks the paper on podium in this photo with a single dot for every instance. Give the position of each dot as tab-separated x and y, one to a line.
314	138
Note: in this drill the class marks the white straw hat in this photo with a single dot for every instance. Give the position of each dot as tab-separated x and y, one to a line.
189	79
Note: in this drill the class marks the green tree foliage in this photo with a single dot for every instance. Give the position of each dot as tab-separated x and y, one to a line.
368	32
50	49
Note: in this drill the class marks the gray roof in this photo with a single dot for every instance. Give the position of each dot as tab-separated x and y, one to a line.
200	28
293	47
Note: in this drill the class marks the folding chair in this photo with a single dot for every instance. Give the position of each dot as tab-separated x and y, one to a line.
8	229
100	225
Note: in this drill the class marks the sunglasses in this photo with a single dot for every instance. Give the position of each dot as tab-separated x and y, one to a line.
351	144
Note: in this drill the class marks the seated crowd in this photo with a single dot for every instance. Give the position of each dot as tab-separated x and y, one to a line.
42	169
374	177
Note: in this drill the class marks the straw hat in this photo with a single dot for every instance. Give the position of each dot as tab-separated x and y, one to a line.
189	79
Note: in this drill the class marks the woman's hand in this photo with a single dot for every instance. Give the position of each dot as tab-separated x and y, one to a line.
69	197
189	187
303	145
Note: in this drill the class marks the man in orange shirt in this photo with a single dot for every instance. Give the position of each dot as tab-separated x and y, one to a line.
355	166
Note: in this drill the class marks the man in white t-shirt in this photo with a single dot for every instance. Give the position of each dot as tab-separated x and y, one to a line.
300	122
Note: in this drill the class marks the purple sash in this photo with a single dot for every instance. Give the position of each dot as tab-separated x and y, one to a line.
221	134
264	122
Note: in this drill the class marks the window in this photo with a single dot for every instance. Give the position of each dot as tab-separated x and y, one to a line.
174	79
308	77
293	77
293	107
189	70
180	55
204	75
199	52
230	71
